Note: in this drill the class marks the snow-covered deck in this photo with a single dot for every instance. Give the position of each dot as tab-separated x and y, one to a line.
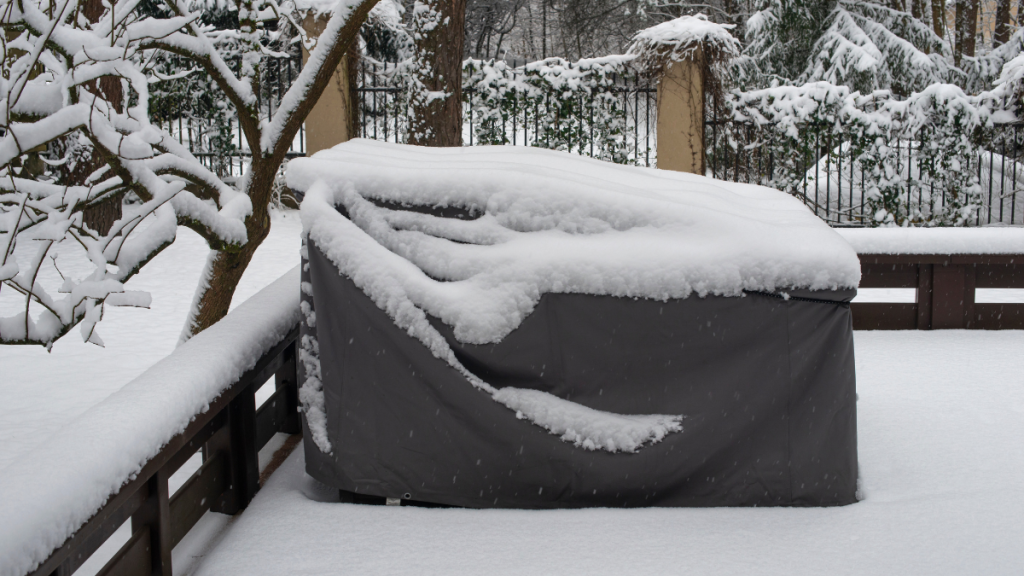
941	418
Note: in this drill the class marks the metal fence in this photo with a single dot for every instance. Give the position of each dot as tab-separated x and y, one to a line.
549	123
223	148
832	183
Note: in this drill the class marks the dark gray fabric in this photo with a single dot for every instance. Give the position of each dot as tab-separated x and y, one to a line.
766	385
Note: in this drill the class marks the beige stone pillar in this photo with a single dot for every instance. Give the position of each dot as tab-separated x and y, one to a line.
680	129
330	121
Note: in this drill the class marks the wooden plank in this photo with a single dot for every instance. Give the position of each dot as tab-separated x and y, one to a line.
884	275
133	559
999	275
197	495
104	531
910	259
173	447
883	316
968	297
288	378
948	305
941	258
998	317
1003	259
154	515
924	297
196	443
271	417
243	460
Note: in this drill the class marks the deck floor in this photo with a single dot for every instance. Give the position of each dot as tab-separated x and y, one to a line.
941	432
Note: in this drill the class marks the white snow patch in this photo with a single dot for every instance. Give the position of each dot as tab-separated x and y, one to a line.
942	469
994	240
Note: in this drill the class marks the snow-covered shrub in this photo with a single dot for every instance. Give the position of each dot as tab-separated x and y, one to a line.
915	159
556	104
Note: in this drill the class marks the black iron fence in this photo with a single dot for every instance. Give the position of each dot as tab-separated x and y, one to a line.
829	177
216	139
614	121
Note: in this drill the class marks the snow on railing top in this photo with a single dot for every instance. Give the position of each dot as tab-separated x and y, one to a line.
53	490
994	240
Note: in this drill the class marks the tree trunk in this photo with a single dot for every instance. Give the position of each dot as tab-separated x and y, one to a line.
100	217
1001	34
437	120
966	28
224	269
939	17
971	38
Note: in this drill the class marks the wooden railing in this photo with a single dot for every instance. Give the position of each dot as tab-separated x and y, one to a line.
945	287
230	435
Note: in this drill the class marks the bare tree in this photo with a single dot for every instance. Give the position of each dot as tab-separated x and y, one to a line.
53	56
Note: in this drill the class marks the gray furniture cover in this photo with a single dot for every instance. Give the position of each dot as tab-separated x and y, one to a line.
766	384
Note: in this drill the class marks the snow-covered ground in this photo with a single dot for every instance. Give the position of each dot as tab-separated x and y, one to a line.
940	416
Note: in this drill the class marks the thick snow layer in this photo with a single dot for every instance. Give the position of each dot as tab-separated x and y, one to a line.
62	481
994	240
555	222
677	39
548	222
942	472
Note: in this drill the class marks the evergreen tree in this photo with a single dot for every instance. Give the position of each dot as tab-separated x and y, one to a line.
860	44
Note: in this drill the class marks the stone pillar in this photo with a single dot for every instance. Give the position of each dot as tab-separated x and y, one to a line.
680	129
331	121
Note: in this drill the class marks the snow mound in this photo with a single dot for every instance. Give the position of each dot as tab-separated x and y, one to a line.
536	221
511	224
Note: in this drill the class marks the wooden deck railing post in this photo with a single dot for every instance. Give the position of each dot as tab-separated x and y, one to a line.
152	522
948	304
243	456
287	378
924	297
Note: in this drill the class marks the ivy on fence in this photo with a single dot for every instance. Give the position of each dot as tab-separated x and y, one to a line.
577	107
912	162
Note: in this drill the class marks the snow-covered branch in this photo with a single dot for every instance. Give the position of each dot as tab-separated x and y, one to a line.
76	134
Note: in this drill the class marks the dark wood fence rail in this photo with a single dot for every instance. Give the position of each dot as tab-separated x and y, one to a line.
230	435
945	287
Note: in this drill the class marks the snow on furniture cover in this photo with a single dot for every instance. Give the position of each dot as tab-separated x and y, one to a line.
517	327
